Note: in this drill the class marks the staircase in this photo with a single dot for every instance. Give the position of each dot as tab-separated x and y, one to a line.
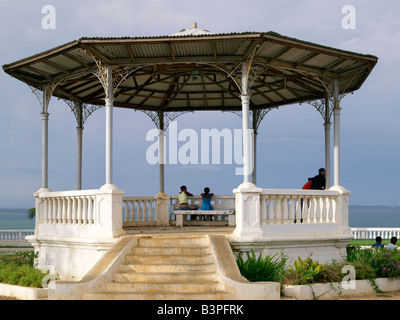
165	267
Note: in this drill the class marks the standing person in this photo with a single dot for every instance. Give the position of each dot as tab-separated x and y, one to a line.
319	181
392	244
206	197
378	243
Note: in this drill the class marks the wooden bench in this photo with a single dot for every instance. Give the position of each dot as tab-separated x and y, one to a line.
180	214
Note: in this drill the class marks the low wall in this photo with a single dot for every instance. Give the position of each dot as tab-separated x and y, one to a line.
329	291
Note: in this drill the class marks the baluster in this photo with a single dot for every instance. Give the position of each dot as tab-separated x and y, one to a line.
278	209
74	210
55	204
271	210
285	210
317	217
297	209
135	210
305	207
263	209
64	211
311	210
59	210
324	208
90	210
84	210
79	210
126	210
144	212
153	209
69	213
329	209
291	209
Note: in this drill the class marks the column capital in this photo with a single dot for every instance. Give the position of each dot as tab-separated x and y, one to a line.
109	101
245	98
45	115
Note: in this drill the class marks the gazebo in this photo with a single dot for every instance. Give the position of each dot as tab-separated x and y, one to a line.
247	73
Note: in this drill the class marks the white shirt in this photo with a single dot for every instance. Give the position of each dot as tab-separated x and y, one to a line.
390	246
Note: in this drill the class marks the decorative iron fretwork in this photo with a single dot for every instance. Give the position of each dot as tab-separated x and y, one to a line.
119	74
167	118
81	111
44	95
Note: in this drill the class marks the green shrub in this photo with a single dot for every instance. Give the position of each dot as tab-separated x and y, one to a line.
23	275
305	272
385	264
18	269
270	268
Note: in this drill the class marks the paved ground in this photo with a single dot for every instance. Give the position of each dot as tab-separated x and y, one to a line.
378	296
395	295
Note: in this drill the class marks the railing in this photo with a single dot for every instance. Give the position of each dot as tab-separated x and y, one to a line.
15	235
297	206
372	233
139	211
70	207
79	213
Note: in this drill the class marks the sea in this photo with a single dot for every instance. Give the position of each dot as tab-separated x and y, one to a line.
359	216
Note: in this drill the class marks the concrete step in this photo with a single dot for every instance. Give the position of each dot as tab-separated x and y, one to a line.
178	241
205	267
164	277
145	287
155	296
170	267
171	250
168	259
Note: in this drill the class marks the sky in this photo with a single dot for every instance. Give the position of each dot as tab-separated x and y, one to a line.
290	141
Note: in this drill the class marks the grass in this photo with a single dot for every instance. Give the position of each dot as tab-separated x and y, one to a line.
366	242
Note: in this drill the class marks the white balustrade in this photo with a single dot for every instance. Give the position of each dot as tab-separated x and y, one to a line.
15	235
372	233
68	208
139	211
297	206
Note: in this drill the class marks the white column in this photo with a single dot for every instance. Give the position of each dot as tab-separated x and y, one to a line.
109	141
328	154
109	128
336	138
245	125
79	131
327	126
45	149
161	139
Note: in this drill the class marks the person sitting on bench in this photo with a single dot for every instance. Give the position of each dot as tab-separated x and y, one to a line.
206	197
183	200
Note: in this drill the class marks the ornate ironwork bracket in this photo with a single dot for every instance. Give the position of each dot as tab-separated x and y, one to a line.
163	121
44	95
81	111
320	105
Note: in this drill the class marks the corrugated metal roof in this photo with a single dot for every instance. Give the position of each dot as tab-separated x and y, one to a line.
195	72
